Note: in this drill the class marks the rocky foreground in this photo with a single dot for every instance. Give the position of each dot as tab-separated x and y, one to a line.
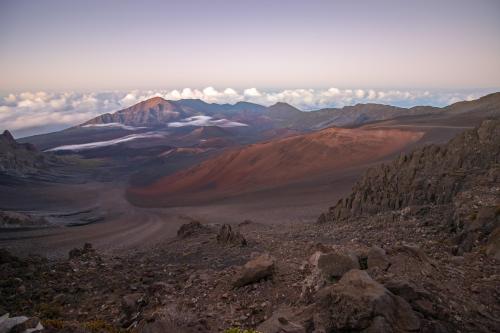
420	257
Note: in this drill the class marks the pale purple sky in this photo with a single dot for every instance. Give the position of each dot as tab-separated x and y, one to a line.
102	45
65	61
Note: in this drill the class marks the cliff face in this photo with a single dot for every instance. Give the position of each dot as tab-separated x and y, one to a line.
461	178
21	159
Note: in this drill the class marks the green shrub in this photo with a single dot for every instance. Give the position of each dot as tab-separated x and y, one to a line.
239	330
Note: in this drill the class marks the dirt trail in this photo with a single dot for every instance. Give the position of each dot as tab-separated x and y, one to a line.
127	227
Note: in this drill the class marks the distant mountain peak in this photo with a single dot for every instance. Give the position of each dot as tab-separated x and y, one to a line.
7	136
282	104
154	101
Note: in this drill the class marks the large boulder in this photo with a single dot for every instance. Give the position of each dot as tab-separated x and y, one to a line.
20	324
333	264
357	302
259	268
377	258
327	265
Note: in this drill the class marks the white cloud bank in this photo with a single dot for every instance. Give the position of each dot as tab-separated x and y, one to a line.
114	125
30	113
98	144
205	121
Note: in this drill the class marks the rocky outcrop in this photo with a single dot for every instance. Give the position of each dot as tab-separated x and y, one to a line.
10	219
22	159
228	236
191	229
462	176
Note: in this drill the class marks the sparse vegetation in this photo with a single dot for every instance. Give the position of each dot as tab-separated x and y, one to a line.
92	326
48	311
239	330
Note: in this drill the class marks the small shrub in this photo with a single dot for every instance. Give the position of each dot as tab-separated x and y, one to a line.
239	330
100	326
54	323
363	262
48	311
97	326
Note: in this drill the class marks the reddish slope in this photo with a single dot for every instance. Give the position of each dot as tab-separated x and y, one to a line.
273	163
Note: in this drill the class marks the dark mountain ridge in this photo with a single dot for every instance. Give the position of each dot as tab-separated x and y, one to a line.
22	159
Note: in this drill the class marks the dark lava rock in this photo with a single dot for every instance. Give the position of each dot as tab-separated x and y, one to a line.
429	175
192	228
255	270
377	258
87	250
357	302
227	236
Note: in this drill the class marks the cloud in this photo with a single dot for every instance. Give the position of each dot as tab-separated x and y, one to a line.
205	121
114	125
37	112
252	92
98	144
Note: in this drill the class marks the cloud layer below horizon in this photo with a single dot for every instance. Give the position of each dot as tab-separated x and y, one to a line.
31	113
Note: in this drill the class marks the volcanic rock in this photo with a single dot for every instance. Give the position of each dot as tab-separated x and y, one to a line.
20	324
333	264
429	175
86	251
410	260
358	302
192	228
279	323
377	258
23	159
227	236
259	268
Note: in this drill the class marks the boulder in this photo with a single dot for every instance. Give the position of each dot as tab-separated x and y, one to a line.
357	302
333	264
377	258
33	324
410	260
20	324
228	236
404	288
327	266
255	270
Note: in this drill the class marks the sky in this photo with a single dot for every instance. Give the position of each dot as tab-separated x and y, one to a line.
58	58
